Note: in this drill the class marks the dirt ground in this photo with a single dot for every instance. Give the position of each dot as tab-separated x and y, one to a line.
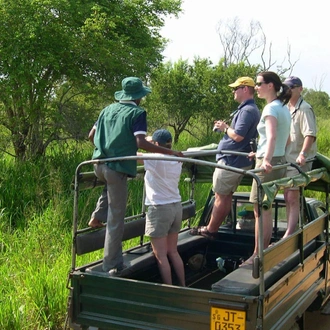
317	321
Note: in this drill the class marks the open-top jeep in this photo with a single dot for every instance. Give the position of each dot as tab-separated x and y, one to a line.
286	279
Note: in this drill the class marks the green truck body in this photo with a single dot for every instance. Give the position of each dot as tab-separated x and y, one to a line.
286	279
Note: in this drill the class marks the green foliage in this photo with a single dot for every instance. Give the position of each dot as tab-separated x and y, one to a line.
28	188
176	94
33	272
188	97
36	229
323	137
319	101
53	51
219	101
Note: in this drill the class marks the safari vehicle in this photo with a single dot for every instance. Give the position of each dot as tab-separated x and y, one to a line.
285	280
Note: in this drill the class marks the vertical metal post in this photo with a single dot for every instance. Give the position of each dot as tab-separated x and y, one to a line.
75	217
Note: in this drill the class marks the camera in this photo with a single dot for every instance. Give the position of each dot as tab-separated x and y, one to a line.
253	144
215	129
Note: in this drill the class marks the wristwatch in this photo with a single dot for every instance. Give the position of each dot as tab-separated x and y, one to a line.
303	153
225	130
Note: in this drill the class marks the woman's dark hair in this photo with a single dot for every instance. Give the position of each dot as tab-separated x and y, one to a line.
282	90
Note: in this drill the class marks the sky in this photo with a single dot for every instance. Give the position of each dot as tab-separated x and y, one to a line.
302	25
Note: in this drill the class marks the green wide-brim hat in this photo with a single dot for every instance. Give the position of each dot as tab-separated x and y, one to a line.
133	89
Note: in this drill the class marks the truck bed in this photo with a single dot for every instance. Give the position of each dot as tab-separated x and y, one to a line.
285	280
134	298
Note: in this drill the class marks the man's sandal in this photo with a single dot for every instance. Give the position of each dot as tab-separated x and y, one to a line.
202	231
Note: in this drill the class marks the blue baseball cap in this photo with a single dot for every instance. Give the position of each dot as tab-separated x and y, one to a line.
293	82
162	136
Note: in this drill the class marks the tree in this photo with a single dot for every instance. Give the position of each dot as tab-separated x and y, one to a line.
190	97
319	101
53	52
176	94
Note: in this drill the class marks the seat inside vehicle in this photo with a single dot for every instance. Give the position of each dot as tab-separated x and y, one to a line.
139	260
91	240
241	282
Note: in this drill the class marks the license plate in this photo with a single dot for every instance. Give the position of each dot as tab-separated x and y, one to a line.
227	319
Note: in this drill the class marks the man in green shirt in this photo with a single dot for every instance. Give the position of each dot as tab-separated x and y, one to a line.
121	130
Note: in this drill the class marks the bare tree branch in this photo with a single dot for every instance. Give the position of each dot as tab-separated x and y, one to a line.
239	46
318	86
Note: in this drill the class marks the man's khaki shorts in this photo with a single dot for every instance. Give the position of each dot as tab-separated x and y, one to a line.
226	182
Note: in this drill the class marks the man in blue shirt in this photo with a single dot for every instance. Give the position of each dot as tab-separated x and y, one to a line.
237	137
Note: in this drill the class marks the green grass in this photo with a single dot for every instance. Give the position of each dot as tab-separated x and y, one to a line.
35	240
36	206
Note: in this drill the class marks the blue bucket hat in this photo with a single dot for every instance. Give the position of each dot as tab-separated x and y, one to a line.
133	89
162	136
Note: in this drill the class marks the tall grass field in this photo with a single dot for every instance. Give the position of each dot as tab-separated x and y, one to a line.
36	206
